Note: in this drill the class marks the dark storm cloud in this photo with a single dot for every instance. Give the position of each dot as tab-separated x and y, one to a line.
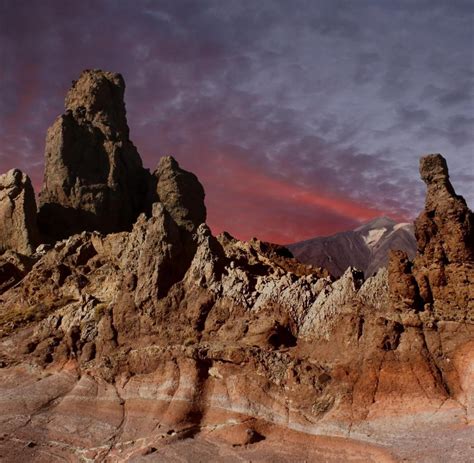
300	118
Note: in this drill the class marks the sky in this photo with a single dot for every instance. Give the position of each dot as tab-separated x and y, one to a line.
301	118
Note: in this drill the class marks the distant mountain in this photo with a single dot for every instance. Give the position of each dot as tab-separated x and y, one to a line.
366	248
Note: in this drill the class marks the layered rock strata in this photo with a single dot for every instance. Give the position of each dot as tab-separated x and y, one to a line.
162	350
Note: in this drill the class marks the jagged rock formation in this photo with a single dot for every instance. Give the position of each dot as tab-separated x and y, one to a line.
18	229
94	178
366	248
444	265
165	342
180	193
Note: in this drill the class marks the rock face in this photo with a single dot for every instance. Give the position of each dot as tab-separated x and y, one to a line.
94	179
366	248
445	229
18	228
181	194
444	264
164	342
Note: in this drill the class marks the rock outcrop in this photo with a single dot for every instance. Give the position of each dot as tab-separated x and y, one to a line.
18	228
181	194
445	229
444	264
164	339
94	179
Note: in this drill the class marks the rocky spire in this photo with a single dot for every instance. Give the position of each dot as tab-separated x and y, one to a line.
442	273
181	193
445	228
18	229
94	178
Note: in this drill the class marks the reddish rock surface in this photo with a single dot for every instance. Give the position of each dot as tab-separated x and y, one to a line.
444	265
165	343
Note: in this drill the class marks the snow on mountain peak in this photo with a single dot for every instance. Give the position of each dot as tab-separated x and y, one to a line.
406	225
374	236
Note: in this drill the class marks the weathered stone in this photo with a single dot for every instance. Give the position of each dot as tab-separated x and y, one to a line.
403	286
18	227
444	264
114	346
181	194
94	178
445	229
13	267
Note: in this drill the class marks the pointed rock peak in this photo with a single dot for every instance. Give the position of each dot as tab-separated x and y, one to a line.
434	169
181	194
168	162
97	91
377	222
445	239
94	178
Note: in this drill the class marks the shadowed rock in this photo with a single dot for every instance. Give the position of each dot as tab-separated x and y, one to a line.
181	194
18	229
94	178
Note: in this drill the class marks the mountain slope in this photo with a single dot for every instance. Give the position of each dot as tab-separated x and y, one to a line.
365	248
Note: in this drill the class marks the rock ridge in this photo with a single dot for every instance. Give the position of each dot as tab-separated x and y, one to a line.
160	335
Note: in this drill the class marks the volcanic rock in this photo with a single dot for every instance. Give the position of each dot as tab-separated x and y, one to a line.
444	264
13	267
166	341
94	178
18	229
181	194
445	229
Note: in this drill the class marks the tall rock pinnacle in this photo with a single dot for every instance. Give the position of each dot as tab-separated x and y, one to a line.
94	178
442	276
18	230
445	228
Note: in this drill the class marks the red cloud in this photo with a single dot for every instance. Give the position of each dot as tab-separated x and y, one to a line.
247	202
